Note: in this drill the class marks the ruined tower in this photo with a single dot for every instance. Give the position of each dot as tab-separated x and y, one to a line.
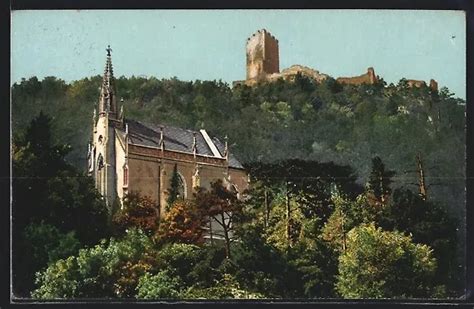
262	55
433	85
372	77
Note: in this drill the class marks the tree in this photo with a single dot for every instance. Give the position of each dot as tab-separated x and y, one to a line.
72	200
431	224
258	203
313	265
382	264
347	215
308	184
137	211
51	197
223	207
35	160
226	288
180	261
110	269
159	286
174	190
378	186
184	222
259	266
41	245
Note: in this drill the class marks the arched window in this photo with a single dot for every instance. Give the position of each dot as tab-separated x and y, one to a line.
125	175
100	162
93	160
100	174
181	187
177	187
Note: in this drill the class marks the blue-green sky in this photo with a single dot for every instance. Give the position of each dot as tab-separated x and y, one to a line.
210	44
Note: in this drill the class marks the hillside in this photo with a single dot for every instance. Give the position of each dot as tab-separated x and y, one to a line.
306	120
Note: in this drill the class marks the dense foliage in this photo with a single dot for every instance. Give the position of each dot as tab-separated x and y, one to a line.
384	264
335	207
137	211
56	208
325	122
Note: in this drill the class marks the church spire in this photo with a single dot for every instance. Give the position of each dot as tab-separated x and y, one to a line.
107	100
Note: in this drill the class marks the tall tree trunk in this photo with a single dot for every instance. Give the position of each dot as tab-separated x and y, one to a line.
288	215
343	228
210	230
226	236
421	178
382	189
267	210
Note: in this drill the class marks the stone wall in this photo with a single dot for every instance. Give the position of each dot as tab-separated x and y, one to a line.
150	173
433	85
289	74
413	83
367	78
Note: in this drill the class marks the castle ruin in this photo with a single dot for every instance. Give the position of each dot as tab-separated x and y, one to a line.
367	78
263	65
412	83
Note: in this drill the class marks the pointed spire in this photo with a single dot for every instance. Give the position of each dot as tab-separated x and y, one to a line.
107	100
194	144
94	120
226	148
126	142
162	141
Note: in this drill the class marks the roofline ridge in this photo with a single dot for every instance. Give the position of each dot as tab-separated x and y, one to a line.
146	123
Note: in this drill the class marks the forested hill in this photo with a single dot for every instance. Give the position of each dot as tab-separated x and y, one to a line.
322	122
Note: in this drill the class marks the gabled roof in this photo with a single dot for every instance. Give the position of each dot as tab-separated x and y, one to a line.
177	139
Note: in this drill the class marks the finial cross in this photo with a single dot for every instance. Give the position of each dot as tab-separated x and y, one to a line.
108	49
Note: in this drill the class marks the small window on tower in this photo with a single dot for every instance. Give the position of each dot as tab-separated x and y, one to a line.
101	139
125	175
100	162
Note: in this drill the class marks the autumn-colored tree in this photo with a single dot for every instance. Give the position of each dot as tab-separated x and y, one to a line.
137	211
222	207
184	223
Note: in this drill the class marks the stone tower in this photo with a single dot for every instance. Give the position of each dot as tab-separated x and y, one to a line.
372	77
433	85
102	149
262	55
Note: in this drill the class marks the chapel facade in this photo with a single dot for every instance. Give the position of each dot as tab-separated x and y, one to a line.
126	155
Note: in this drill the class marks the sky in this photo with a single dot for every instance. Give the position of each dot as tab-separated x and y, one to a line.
210	44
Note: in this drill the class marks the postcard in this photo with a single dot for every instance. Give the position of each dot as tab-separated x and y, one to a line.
203	155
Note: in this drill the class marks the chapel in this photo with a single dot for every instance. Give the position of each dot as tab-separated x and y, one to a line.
127	155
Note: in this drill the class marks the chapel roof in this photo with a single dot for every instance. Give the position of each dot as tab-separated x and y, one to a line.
177	139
